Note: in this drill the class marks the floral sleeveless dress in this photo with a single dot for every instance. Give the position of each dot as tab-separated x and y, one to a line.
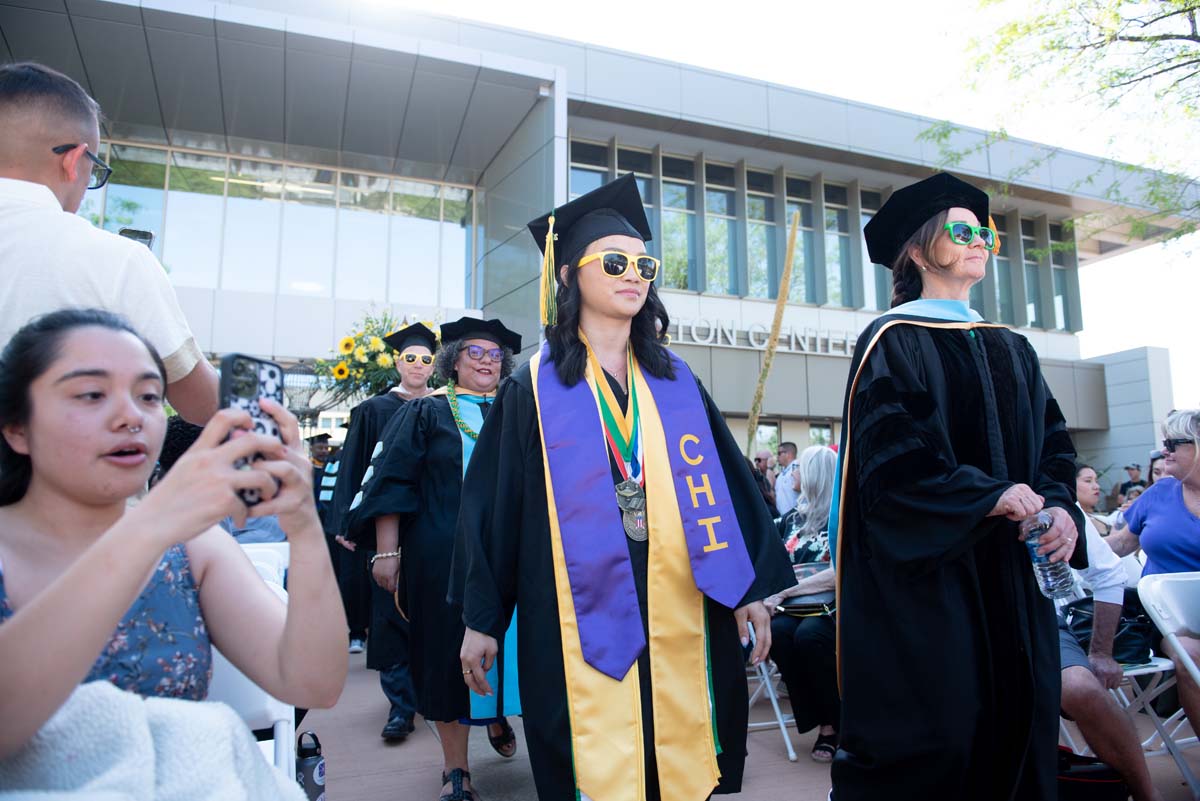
161	647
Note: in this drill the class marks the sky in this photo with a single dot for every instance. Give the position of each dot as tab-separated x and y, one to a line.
914	56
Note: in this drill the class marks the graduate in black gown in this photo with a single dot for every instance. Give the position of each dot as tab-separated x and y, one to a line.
632	676
948	651
407	508
413	348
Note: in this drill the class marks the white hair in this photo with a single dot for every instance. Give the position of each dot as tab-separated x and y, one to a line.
817	466
1184	424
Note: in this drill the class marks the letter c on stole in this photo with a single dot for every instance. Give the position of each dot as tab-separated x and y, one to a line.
683	441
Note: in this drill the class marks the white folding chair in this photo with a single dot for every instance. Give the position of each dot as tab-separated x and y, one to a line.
1135	698
270	559
765	676
1172	600
255	706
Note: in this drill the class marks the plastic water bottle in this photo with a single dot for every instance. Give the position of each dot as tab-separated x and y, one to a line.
1054	579
310	767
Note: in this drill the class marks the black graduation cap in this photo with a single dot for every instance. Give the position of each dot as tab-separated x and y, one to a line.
612	209
412	334
315	438
913	206
475	328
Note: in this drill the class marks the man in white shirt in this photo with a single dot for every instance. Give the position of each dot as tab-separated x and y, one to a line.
52	258
1086	678
785	489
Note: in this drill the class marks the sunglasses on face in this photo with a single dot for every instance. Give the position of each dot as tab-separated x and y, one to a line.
962	233
476	353
1169	445
411	358
100	170
616	264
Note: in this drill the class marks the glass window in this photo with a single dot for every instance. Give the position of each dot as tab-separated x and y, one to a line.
457	222
1033	297
837	195
1062	311
589	153
635	161
762	182
191	241
679	237
870	200
820	434
837	248
975	297
766	438
719	201
760	250
680	169
718	175
678	196
759	207
92	207
803	288
585	180
415	243
799	188
250	252
309	224
362	237
719	251
134	196
1004	291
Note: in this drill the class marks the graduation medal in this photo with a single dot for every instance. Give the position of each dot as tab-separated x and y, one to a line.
622	432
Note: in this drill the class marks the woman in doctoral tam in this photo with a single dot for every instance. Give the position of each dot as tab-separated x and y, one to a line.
407	509
414	346
948	652
617	514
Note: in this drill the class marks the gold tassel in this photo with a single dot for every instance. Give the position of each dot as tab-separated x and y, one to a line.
996	244
547	299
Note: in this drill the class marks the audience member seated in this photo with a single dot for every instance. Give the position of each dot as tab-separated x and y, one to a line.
764	486
1165	523
804	648
1087	677
1156	467
135	595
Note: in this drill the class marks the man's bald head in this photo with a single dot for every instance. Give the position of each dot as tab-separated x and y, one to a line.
40	109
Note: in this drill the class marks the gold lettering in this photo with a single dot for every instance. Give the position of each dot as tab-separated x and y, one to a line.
713	545
705	488
683	441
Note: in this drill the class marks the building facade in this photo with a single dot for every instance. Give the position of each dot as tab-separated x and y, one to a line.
303	162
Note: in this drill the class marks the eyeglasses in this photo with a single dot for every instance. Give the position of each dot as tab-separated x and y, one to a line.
100	170
1169	445
616	264
411	358
962	233
476	353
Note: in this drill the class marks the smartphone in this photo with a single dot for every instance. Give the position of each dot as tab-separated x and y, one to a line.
145	237
245	379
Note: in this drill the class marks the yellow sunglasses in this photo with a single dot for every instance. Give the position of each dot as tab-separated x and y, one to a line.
411	358
616	264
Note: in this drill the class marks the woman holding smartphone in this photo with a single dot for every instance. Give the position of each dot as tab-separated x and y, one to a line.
137	595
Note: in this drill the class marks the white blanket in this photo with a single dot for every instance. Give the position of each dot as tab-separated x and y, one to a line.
105	744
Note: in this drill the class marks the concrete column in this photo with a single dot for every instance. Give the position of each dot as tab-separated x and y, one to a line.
699	281
656	213
741	249
1074	300
1016	260
612	159
991	309
818	266
1041	230
783	223
854	294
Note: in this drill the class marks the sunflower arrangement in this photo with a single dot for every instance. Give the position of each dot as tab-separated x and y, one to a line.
362	365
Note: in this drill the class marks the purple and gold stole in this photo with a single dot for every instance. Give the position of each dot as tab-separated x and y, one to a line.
696	549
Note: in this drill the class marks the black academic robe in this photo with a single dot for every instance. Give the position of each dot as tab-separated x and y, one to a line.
387	637
503	558
949	663
418	476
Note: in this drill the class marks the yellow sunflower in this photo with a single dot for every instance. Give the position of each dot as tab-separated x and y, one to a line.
346	346
360	355
358	374
376	344
341	371
384	360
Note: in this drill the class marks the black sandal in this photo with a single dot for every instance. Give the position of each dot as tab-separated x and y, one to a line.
455	779
504	743
824	748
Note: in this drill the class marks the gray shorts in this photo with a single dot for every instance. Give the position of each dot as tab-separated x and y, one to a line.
1070	652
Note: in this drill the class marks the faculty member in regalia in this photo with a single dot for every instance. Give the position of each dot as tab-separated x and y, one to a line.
413	346
407	509
948	651
617	515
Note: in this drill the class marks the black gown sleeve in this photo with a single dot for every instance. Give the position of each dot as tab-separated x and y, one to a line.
772	568
922	508
356	456
483	578
392	485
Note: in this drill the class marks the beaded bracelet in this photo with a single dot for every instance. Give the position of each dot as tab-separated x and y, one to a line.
387	555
